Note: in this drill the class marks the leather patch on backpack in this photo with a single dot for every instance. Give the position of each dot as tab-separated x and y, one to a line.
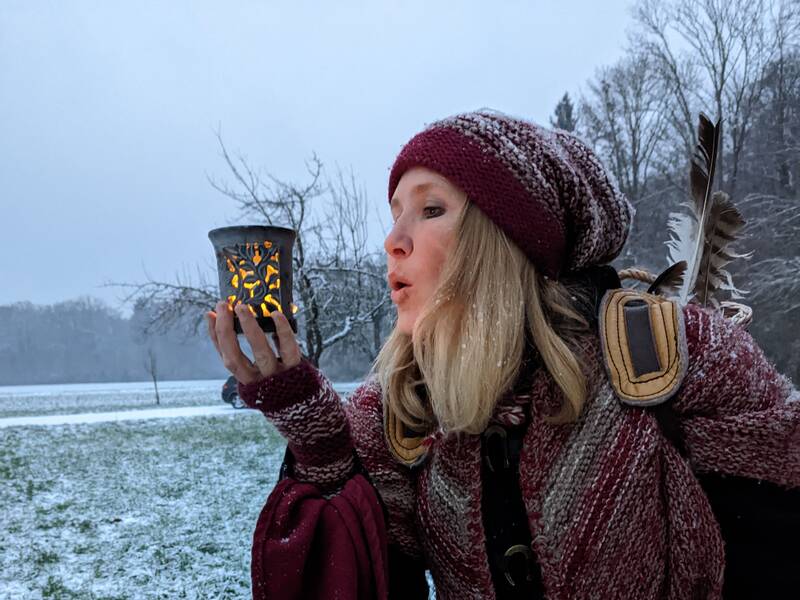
643	337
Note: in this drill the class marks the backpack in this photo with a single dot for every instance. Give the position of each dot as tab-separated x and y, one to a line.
646	358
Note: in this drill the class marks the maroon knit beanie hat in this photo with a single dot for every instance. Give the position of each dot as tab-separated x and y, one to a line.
546	189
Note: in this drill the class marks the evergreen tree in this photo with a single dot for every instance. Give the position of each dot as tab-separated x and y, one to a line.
564	114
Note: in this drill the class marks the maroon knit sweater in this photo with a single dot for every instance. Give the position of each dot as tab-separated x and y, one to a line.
614	510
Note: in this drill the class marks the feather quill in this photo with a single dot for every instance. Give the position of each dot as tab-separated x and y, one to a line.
691	228
702	237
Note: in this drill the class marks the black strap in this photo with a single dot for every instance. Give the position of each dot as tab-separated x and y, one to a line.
515	572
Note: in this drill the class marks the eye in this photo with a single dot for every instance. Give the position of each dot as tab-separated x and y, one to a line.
433	208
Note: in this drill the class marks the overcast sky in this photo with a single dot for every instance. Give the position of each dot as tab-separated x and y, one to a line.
108	112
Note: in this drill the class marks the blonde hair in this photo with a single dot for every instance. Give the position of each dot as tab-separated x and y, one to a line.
469	339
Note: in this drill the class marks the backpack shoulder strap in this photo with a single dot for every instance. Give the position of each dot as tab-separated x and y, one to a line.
643	338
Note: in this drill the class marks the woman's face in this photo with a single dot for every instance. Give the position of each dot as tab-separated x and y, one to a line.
425	211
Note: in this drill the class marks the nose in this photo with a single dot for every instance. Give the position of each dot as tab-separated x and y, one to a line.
398	242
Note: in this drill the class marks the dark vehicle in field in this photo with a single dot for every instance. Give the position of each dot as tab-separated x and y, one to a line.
230	394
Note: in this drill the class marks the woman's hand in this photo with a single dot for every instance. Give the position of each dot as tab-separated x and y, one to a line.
220	328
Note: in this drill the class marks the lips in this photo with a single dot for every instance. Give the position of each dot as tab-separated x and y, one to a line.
397	282
400	294
399	285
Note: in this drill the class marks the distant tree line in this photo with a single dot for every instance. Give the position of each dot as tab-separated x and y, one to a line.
86	340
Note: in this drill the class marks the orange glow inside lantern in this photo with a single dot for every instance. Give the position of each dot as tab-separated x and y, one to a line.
254	266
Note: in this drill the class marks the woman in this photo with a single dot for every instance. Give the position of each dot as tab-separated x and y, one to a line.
487	444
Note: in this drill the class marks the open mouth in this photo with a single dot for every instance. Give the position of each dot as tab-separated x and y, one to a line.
399	285
399	292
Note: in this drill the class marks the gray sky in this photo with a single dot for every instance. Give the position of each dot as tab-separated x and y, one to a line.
108	112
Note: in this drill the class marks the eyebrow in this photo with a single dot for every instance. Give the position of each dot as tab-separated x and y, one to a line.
417	189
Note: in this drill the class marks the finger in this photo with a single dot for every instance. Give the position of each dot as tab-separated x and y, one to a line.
211	321
232	356
277	345
287	342
264	357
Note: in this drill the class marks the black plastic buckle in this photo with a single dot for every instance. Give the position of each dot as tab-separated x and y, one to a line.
492	432
514	553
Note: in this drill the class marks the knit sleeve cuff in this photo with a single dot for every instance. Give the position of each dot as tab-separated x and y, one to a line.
303	406
282	389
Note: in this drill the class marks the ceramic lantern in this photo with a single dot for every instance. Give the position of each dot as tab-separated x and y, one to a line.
254	263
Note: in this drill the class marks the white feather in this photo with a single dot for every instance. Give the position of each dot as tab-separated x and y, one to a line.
682	244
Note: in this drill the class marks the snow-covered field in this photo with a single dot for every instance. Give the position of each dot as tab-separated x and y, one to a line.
145	508
75	398
20	400
136	509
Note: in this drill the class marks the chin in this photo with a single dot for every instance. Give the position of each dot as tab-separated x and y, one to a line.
405	324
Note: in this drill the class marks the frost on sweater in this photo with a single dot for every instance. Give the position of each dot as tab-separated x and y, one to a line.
605	491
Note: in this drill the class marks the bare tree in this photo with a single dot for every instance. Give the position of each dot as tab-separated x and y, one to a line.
728	44
172	303
151	366
783	80
623	118
361	292
736	60
773	152
337	289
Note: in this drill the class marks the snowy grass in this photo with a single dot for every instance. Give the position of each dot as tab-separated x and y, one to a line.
76	398
141	509
18	401
161	508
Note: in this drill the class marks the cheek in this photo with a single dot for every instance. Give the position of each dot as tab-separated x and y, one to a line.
439	248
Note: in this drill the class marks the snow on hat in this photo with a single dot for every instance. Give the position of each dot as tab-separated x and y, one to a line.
546	189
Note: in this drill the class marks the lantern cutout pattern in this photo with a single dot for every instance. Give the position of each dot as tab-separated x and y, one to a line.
250	271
